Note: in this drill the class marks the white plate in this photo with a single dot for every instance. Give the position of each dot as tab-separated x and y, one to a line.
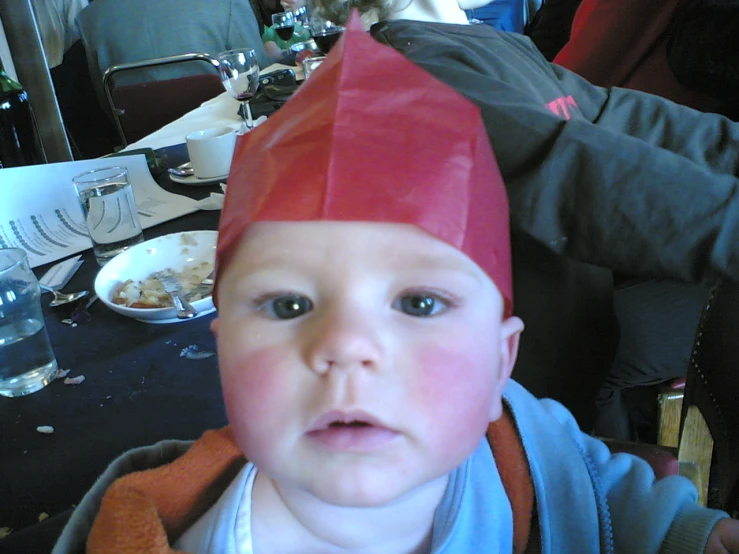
139	262
177	319
193	181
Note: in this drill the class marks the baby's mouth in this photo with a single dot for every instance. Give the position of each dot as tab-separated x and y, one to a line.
340	424
350	432
339	419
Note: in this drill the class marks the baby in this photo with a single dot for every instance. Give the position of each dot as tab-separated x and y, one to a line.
365	340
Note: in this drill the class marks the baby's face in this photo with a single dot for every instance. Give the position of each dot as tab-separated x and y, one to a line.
359	361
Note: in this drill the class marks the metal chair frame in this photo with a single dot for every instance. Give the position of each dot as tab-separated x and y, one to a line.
167	60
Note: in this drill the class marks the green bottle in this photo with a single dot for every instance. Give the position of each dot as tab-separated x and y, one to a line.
19	139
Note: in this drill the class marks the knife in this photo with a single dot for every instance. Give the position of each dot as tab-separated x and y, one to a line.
203	289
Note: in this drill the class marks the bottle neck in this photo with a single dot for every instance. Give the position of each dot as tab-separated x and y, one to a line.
7	84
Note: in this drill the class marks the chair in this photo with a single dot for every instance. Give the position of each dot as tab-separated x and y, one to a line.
663	456
670	405
711	392
141	109
699	426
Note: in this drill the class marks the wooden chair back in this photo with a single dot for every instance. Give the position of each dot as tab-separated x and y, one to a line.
712	388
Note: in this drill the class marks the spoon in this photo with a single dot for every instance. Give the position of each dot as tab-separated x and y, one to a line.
183	170
61	298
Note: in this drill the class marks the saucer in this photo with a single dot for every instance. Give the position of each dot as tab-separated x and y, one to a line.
193	181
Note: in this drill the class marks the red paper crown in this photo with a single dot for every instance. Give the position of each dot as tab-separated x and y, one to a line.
372	137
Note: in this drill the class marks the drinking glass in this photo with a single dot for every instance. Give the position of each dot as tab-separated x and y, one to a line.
325	32
284	25
302	17
239	71
109	210
27	362
310	64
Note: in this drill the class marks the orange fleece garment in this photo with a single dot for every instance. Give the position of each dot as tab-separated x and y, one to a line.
146	511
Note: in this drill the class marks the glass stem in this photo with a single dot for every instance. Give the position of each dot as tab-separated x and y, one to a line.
248	121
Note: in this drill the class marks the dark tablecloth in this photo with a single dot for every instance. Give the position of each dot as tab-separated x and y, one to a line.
139	388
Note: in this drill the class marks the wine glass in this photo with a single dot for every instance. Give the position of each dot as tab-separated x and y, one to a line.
325	32
239	71
302	17
284	25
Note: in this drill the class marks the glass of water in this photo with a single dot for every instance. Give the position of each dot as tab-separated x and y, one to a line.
109	209
27	362
310	64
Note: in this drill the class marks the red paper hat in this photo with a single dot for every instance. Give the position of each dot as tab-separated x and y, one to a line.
372	137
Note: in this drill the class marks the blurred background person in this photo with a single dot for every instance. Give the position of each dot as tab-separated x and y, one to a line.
293	29
550	27
265	9
56	24
506	15
89	132
622	43
701	54
121	31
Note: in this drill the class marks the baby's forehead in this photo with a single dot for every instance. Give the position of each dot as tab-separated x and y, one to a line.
337	252
400	244
321	234
327	229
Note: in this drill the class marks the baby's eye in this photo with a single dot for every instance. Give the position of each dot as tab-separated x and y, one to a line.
286	307
420	304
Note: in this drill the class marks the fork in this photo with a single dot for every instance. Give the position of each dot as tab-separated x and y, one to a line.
174	289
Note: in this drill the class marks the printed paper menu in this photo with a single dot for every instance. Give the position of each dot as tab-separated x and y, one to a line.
40	212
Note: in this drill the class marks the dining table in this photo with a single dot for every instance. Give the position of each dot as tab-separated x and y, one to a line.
142	382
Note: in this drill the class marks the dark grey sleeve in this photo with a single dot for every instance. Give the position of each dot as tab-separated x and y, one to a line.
706	139
605	189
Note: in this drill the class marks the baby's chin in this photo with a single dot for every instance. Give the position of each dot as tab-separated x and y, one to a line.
368	492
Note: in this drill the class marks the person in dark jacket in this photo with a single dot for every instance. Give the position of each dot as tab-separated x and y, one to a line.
600	180
622	43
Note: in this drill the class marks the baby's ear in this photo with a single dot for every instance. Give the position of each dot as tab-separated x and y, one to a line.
510	334
214	325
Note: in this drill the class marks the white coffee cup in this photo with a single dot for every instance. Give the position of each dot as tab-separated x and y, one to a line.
211	151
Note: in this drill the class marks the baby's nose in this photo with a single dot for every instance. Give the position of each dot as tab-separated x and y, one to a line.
344	343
